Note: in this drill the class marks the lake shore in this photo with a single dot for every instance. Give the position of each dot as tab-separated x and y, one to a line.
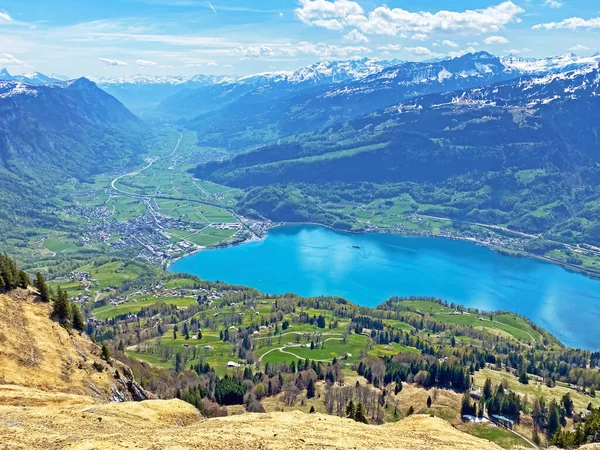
368	268
594	274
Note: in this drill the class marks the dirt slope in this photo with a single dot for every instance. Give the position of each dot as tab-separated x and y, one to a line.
62	421
52	397
37	352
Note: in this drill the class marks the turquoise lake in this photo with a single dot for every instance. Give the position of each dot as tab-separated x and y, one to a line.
312	260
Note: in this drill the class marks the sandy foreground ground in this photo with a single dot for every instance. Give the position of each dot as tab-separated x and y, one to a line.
31	419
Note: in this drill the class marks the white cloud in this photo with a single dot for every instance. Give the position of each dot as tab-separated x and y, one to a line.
448	43
579	47
574	23
461	52
338	14
517	51
473	44
211	64
5	17
421	51
145	63
356	36
113	62
495	40
320	50
419	37
7	59
311	11
390	48
553	3
255	51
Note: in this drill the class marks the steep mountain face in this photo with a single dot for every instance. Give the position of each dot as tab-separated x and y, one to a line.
51	133
73	127
266	114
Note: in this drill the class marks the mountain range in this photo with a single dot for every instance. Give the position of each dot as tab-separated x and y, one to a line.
429	128
462	151
51	133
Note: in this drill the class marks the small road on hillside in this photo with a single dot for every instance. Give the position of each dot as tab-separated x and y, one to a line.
165	197
132	174
285	347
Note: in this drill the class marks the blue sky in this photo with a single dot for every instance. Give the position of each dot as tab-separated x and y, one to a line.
182	37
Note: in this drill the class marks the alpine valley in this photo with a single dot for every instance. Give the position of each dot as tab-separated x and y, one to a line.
113	191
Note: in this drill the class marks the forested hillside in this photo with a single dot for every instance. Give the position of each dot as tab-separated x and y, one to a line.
521	153
50	134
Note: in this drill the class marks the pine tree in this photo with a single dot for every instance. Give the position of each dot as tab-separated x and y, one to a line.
429	401
350	411
410	411
24	280
105	353
398	387
487	390
78	322
62	307
523	378
310	389
42	287
199	335
360	415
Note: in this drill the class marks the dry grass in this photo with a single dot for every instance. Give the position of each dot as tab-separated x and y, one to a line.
71	423
37	352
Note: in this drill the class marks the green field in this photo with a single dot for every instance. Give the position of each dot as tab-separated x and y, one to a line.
515	327
136	304
59	245
500	436
205	237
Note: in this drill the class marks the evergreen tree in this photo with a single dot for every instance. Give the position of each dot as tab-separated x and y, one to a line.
360	414
105	353
62	307
178	362
523	378
553	419
23	280
487	390
429	401
42	287
350	411
398	387
310	389
312	410
78	322
199	335
410	411
567	403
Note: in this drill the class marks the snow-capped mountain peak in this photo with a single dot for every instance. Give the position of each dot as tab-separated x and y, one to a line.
553	64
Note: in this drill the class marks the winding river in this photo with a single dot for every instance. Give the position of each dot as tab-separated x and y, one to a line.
370	268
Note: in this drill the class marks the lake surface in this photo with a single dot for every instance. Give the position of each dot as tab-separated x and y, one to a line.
312	260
